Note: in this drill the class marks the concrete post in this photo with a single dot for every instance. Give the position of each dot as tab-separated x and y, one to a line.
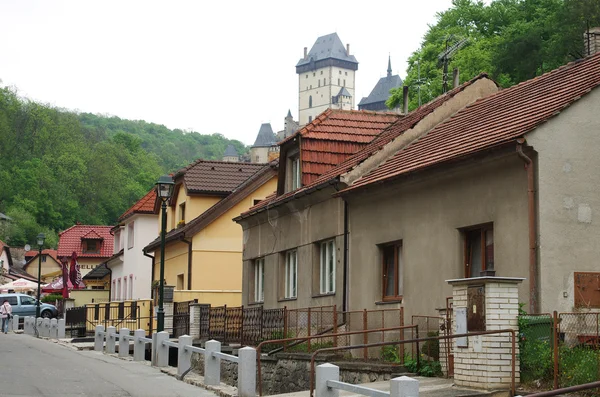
110	340
184	357
139	347
62	329
212	365
26	325
323	373
160	352
404	386
15	322
46	327
247	372
54	328
30	325
123	342
38	324
99	338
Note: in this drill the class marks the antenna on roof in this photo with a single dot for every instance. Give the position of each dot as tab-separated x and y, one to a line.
419	81
446	55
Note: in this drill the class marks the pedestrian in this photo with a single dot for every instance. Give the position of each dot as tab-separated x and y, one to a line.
5	314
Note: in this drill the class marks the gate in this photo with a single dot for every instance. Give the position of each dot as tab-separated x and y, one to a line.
181	318
75	321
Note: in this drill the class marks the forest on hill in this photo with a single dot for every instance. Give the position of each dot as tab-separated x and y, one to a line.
511	40
59	167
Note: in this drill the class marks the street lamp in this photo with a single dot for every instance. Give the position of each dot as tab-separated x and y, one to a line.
164	190
40	240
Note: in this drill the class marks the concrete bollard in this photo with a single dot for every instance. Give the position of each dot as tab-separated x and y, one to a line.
323	373
99	338
30	324
110	340
404	386
26	325
39	325
212	365
54	328
184	357
160	352
247	372
139	346
46	328
15	323
62	329
123	342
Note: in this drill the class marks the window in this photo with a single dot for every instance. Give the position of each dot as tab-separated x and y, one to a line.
11	299
259	280
125	290
338	81
180	282
340	72
327	269
114	290
291	274
319	84
117	241
26	300
344	82
131	286
479	251
130	235
321	72
119	289
324	81
314	74
91	246
296	173
44	258
310	119
306	76
256	201
392	271
182	212
346	73
310	101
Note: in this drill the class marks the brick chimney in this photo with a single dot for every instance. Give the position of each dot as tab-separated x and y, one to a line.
591	41
305	52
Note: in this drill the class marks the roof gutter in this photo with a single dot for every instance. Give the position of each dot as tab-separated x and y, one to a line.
189	280
532	221
153	266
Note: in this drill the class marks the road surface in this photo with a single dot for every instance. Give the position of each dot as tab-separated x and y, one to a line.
37	367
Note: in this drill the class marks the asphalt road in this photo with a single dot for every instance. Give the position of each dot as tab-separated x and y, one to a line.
37	367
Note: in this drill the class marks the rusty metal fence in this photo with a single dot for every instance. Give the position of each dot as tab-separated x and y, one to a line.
560	349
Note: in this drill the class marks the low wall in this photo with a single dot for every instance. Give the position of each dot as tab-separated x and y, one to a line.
286	373
84	296
214	298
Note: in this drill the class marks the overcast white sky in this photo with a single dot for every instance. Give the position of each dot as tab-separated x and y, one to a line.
207	66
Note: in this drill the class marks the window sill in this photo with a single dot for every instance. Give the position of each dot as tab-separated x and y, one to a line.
256	303
390	302
324	295
287	299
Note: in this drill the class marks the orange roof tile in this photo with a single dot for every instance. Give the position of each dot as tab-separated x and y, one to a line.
145	205
70	240
383	138
216	177
32	253
494	120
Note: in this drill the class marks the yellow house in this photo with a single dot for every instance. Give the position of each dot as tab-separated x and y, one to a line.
50	264
203	251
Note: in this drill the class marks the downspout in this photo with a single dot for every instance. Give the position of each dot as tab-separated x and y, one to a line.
533	301
345	292
153	265
109	283
189	280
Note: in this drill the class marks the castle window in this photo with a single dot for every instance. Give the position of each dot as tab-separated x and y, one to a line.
340	72
311	86
319	83
346	73
338	81
309	119
314	74
310	101
344	82
324	81
306	76
321	72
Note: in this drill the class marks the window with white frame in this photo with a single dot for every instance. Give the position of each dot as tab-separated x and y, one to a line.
296	173
130	236
114	290
327	269
291	274
259	280
119	289
131	286
125	290
117	241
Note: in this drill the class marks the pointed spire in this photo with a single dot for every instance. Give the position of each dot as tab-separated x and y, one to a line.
389	66
289	115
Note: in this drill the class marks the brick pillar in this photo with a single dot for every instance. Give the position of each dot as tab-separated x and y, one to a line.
484	361
443	342
168	307
195	320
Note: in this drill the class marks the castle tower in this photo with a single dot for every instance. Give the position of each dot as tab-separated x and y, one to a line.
326	78
265	146
381	92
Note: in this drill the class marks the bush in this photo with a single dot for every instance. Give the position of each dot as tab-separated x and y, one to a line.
578	365
390	354
52	298
432	347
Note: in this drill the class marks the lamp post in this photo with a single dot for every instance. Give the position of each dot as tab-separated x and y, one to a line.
40	240
164	189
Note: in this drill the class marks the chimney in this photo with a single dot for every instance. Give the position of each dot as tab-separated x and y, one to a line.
591	41
405	99
305	53
455	78
348	49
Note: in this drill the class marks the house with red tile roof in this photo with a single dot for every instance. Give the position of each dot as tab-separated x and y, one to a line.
130	269
508	186
296	241
203	251
93	245
5	260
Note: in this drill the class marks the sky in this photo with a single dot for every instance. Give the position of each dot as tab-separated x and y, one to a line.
207	66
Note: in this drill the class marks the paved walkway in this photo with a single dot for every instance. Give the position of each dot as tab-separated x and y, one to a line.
37	367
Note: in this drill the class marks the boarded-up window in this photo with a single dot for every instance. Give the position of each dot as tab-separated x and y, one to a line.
587	289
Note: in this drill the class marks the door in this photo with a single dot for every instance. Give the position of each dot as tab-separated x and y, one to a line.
27	306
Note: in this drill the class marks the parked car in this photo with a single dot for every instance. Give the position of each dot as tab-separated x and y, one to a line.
25	305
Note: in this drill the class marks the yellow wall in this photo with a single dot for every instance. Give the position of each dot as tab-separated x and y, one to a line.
50	266
194	206
87	264
176	262
214	298
85	296
142	321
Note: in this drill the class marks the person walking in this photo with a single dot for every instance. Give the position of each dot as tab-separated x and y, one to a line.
5	314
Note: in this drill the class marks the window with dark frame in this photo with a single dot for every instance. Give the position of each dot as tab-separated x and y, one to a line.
182	212
327	267
392	271
91	246
479	251
259	280
291	274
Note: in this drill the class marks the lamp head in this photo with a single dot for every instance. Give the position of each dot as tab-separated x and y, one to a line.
164	187
40	239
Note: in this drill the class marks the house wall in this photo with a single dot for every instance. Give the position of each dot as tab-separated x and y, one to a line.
259	154
298	226
116	268
134	261
50	266
426	213
4	260
88	264
176	262
568	177
85	296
